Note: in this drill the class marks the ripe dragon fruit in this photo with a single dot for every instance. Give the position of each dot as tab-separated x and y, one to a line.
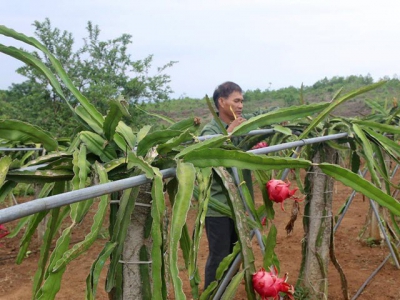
260	145
268	284
278	191
3	232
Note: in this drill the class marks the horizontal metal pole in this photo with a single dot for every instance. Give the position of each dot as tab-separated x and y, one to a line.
25	209
298	143
19	149
29	208
253	132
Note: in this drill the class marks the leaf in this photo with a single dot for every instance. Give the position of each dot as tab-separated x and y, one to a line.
361	185
53	227
45	249
119	231
143	132
375	106
174	142
204	177
369	154
6	189
29	59
63	163
335	103
389	145
4	165
209	143
90	109
157	211
383	128
93	278
113	118
52	281
189	123
97	145
48	158
85	116
216	117
126	132
262	178
155	138
166	119
270	244
282	129
231	289
242	160
186	175
277	116
39	176
91	237
243	229
19	131
246	196
121	143
81	170
34	221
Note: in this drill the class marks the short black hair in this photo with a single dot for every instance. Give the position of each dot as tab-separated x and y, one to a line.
224	90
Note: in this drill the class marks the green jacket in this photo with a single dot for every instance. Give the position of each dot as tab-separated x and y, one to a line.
216	189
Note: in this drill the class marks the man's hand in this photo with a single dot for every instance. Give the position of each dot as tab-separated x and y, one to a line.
235	123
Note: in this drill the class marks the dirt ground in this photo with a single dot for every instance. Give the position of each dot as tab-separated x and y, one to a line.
357	259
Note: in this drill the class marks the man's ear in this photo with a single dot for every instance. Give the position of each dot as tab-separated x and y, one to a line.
221	102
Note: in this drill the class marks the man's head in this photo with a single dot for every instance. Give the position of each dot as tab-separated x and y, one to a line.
224	90
228	99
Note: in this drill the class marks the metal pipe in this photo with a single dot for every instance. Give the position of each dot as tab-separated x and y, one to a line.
351	197
19	149
28	208
253	132
299	143
354	193
387	239
372	275
21	210
257	232
295	154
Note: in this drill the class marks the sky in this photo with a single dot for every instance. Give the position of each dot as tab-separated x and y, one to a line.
259	44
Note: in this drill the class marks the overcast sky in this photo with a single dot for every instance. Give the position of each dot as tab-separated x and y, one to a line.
258	44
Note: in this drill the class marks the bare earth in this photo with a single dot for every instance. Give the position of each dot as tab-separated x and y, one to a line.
357	259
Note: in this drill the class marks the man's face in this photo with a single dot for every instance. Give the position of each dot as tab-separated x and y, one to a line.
232	106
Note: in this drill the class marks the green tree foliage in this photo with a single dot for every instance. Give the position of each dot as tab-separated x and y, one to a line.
100	70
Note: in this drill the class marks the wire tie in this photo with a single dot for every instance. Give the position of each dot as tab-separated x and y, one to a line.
135	262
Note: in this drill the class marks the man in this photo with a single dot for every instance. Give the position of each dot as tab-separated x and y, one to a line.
220	230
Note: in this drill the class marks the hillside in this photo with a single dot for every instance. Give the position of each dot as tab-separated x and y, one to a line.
321	91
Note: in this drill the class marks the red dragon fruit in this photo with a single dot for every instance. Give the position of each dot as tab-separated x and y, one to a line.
268	284
278	191
260	145
3	232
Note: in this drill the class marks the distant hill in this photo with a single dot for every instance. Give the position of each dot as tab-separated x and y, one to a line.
322	90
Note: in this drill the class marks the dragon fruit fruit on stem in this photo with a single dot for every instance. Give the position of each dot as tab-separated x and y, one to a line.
278	191
260	145
3	231
268	284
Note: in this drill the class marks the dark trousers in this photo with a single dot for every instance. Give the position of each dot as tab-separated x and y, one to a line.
221	237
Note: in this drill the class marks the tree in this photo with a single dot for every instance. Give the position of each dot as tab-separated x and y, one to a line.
29	102
100	70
